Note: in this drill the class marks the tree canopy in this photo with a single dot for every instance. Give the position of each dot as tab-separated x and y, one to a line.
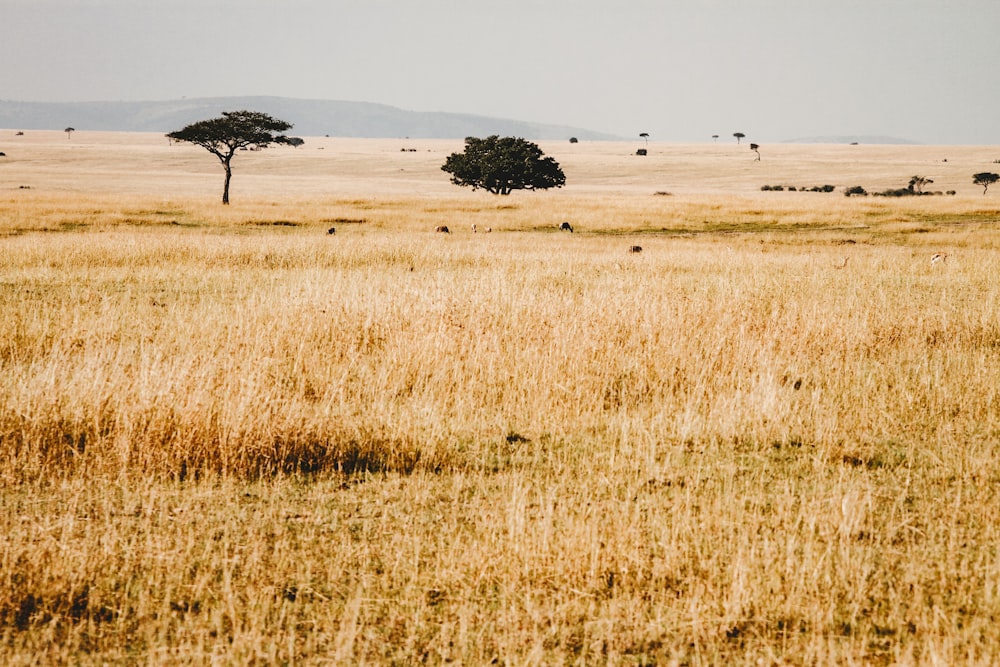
230	132
503	164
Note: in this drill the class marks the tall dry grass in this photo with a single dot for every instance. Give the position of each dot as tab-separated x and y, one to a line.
230	437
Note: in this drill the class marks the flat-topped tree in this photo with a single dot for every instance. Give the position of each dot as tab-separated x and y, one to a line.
985	179
917	184
234	130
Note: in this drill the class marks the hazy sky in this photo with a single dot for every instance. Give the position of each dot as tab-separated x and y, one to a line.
681	70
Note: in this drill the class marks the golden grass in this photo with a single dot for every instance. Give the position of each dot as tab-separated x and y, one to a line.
768	438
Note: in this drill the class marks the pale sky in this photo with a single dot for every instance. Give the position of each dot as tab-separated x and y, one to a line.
681	70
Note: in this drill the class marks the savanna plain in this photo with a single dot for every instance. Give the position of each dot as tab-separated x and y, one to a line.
228	436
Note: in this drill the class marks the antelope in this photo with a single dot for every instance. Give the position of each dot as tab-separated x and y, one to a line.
442	229
474	230
939	257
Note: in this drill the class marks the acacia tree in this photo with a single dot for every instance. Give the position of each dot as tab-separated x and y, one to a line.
234	130
503	164
985	179
738	135
756	149
69	131
917	184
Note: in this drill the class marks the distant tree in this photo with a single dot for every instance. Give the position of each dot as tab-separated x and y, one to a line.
738	135
917	184
715	137
503	164
645	135
756	149
295	142
573	140
69	131
234	130
985	179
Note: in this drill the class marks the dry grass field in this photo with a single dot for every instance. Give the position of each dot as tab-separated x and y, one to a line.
228	437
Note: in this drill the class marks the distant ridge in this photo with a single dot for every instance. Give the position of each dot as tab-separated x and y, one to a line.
849	139
308	118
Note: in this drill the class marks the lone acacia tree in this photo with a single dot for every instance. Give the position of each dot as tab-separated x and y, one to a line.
985	179
917	184
232	131
738	135
503	164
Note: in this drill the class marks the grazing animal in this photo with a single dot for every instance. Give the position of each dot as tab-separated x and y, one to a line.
332	230
635	249
474	230
566	227
443	229
939	257
489	229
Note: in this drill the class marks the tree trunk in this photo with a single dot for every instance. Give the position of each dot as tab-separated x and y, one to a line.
229	176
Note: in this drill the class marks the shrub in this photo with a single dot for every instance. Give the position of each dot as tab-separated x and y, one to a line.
905	192
855	190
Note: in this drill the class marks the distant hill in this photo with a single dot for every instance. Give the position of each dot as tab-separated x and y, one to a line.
308	117
849	139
